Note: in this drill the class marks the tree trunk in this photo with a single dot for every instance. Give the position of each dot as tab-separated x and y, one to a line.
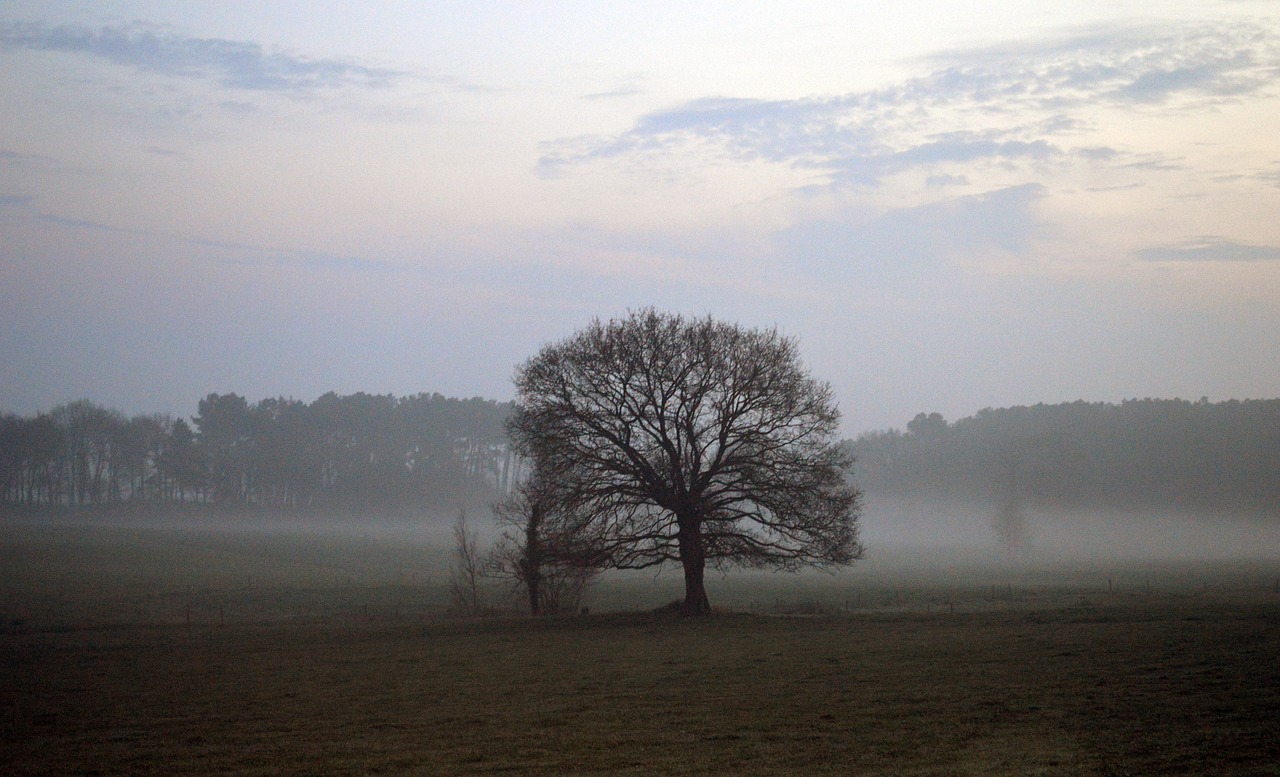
532	561
694	559
532	583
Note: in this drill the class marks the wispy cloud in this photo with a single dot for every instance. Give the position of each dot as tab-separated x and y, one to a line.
956	147
1271	176
613	94
1122	64
228	252
244	254
1211	249
1015	104
96	226
164	152
233	64
947	180
17	158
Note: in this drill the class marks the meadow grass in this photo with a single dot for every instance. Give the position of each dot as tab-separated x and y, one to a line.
334	659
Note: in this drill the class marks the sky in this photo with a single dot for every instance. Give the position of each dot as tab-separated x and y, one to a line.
951	206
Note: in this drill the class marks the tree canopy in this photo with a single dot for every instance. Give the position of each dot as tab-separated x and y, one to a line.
689	440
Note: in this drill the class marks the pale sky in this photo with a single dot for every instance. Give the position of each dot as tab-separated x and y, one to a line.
951	205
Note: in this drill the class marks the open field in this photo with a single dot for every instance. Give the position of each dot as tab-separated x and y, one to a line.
179	651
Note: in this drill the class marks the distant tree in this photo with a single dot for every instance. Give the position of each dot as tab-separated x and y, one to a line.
91	436
225	433
929	426
691	441
141	439
357	451
12	452
180	463
287	454
542	551
44	443
1141	453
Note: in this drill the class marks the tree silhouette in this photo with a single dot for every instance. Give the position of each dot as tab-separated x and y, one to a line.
466	567
690	440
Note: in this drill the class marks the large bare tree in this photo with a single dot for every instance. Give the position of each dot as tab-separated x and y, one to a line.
691	441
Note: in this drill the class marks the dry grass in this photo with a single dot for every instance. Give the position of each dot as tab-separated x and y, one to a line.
1112	683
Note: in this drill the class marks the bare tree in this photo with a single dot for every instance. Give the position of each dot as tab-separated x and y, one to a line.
690	440
465	569
540	551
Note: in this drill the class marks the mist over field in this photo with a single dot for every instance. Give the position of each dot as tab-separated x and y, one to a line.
900	526
1079	534
640	388
1082	483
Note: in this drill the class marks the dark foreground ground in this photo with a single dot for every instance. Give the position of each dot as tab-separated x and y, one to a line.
1147	680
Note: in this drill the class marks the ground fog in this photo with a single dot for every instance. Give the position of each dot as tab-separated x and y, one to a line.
164	650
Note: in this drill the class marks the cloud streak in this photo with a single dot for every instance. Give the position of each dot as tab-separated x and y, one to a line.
241	254
232	64
1211	249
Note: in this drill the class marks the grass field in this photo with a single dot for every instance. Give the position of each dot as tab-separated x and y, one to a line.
181	651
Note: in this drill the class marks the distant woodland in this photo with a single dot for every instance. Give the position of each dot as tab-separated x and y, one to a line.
381	452
359	451
1137	454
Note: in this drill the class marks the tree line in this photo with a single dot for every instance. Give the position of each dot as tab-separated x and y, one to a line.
1139	453
343	452
363	450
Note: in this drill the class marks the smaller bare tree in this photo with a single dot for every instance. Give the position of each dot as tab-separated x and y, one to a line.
542	553
1010	524
465	569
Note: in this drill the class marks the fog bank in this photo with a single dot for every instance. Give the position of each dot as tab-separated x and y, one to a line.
1080	534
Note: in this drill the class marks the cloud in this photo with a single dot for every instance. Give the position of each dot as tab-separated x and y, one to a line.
1117	188
238	106
626	91
62	221
775	130
1271	176
1121	64
1011	104
226	252
1210	249
1153	161
1158	85
241	254
233	64
909	245
19	159
960	148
